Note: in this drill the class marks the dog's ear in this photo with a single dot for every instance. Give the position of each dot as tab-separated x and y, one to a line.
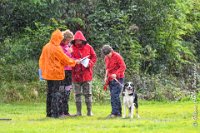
125	85
123	93
123	88
133	86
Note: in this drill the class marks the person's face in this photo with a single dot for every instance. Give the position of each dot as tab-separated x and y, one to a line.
78	42
68	40
109	55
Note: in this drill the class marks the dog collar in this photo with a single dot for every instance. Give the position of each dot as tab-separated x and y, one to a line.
130	94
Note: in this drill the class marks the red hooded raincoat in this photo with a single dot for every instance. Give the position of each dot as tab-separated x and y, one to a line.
79	72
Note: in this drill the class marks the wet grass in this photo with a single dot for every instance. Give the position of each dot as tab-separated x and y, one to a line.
155	117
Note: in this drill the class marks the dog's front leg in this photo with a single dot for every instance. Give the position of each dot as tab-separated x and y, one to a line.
131	111
124	115
138	116
124	111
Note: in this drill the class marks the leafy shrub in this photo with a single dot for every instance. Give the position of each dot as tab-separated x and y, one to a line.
12	95
159	40
97	90
162	87
22	91
27	45
23	71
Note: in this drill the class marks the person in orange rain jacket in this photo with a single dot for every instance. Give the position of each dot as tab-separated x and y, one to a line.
114	78
52	62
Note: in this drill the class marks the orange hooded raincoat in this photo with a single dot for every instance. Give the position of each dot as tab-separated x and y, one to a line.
53	60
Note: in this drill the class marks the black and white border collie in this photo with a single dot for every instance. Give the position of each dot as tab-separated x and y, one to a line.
130	100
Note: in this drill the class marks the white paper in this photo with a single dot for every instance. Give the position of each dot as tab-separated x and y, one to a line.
85	62
84	58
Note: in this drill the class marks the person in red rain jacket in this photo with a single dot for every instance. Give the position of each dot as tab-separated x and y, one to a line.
114	77
82	75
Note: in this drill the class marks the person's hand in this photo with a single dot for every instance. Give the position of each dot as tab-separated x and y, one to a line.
114	76
105	79
78	61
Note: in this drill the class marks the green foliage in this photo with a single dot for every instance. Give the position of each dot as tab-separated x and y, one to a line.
163	25
159	37
23	71
111	26
29	44
99	95
14	91
17	15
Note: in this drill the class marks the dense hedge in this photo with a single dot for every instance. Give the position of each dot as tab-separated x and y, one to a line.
154	37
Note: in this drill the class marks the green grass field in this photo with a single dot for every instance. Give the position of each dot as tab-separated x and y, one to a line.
175	117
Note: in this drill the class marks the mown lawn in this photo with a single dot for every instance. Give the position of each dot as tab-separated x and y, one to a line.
157	117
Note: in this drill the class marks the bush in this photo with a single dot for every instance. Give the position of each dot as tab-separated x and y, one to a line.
17	15
162	87
23	71
22	91
27	46
99	94
159	40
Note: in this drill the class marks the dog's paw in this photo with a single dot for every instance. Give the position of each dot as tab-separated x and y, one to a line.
123	117
130	115
138	116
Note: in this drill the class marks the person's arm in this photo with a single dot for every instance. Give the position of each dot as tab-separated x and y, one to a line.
122	65
106	76
41	59
65	60
93	58
106	67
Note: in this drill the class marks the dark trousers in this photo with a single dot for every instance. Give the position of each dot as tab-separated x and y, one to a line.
66	84
53	102
65	104
115	90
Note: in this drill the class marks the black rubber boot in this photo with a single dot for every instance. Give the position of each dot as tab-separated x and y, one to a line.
78	108
89	108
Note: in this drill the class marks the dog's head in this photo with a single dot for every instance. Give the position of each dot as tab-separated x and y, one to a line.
129	87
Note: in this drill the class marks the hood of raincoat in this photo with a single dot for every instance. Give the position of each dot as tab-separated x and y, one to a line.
56	37
79	36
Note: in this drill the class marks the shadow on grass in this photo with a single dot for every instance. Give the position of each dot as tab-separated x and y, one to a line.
60	118
42	119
